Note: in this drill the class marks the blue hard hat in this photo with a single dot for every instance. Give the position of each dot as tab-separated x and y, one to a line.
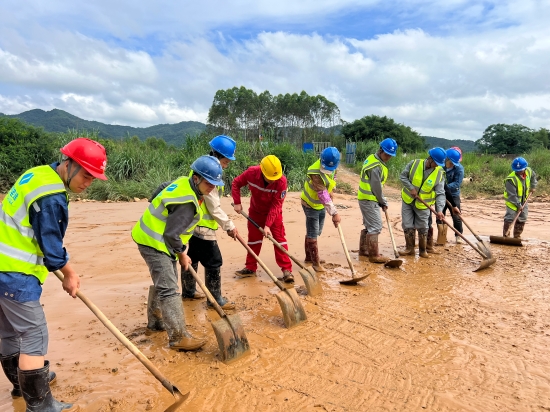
519	164
210	168
224	145
454	156
438	155
389	146
330	158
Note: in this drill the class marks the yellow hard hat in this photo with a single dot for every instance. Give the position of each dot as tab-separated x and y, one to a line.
271	167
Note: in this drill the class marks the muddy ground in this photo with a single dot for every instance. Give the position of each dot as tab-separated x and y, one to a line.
431	335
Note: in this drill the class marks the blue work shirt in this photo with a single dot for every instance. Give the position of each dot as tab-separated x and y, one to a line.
49	221
455	175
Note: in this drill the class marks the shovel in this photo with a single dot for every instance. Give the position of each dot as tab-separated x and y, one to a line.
229	329
394	263
293	311
353	280
309	276
180	397
506	240
487	261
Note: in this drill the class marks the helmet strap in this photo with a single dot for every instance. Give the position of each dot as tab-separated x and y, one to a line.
74	173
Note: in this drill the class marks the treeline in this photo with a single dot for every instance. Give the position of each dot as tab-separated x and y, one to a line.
512	138
293	117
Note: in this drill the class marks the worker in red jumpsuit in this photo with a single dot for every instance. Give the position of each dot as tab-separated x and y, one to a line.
267	187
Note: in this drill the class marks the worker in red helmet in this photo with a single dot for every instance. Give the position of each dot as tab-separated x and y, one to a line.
33	222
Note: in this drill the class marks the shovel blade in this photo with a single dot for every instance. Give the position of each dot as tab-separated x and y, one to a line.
353	281
231	338
501	240
291	306
485	263
311	281
394	263
180	399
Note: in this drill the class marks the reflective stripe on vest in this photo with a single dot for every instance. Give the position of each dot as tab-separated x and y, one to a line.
207	219
309	195
425	188
19	250
149	230
516	181
365	190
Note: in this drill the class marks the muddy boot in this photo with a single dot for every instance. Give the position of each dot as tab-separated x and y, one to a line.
409	243
441	234
178	337
245	273
374	255
308	254
314	253
430	243
213	283
189	284
154	316
9	365
35	388
518	229
423	243
288	277
505	228
363	245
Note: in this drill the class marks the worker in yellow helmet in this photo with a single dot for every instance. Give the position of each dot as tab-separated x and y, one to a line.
267	186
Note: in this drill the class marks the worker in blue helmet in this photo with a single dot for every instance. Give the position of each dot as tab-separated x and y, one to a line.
370	195
518	185
424	179
316	200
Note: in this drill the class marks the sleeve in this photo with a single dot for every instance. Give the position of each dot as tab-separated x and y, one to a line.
322	193
277	204
375	175
179	218
404	176
534	180
49	217
512	193
440	196
458	176
213	204
159	189
238	182
449	195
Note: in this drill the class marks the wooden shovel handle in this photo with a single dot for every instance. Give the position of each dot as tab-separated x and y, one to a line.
346	250
207	293
395	252
517	215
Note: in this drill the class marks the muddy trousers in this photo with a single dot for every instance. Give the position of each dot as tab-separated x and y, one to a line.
414	218
207	253
372	219
457	222
255	240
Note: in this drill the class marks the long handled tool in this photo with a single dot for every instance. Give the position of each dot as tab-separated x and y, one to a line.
180	397
393	263
293	311
309	276
354	279
506	239
229	329
487	260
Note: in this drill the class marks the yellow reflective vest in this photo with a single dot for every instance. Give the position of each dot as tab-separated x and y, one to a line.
425	188
149	230
365	190
19	250
516	181
308	194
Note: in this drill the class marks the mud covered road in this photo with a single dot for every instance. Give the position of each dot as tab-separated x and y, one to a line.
432	335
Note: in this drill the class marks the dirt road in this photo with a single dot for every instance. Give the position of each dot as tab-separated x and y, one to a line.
432	335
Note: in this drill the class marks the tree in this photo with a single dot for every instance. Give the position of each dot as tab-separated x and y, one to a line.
542	137
506	139
377	128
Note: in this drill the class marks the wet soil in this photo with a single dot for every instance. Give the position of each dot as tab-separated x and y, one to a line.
430	335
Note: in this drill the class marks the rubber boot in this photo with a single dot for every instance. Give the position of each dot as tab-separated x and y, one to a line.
518	229
35	387
213	283
314	253
154	316
409	243
505	228
189	284
441	234
363	245
178	337
430	242
9	365
308	254
423	243
374	255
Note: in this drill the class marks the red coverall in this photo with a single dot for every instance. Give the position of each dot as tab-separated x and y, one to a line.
266	209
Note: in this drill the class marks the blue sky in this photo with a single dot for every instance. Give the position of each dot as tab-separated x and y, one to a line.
446	68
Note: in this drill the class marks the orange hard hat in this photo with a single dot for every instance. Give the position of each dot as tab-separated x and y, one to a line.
89	154
271	167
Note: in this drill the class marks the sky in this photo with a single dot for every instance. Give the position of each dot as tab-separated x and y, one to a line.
445	68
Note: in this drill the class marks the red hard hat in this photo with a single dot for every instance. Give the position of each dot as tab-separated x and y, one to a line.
89	154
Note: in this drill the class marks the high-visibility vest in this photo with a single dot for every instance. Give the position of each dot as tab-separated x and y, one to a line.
516	181
149	229
308	194
365	190
426	188
19	250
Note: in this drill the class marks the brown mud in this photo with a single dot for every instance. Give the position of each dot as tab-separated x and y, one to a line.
430	335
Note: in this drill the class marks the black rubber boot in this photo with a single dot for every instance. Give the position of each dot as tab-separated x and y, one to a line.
505	228
374	254
188	283
154	316
423	243
174	322
430	242
213	283
518	229
9	365
363	245
35	387
409	243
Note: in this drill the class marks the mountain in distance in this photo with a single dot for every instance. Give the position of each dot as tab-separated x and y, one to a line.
60	121
465	145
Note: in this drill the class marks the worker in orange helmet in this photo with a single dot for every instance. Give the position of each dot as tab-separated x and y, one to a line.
33	222
268	187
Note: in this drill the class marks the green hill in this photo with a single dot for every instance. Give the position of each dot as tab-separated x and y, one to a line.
465	145
60	121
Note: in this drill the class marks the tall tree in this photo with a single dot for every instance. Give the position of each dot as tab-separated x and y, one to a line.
506	139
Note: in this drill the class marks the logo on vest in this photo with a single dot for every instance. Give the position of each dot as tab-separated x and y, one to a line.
430	181
26	179
172	187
